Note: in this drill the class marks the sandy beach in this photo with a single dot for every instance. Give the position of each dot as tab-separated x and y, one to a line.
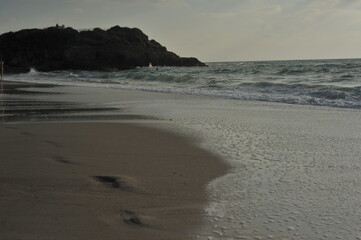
180	120
285	171
96	180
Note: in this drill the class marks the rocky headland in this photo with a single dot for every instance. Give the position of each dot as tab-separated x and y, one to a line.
60	48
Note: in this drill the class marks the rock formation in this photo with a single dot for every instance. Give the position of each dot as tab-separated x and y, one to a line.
60	48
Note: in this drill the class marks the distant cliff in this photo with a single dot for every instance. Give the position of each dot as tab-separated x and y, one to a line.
60	48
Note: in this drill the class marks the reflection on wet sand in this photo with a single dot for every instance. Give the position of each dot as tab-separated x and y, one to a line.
19	102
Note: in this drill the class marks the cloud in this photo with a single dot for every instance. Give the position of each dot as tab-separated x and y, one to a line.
126	2
265	10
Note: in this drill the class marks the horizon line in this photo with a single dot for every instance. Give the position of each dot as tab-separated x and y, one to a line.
280	60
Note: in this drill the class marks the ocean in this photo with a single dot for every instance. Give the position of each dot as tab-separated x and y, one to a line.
334	83
294	145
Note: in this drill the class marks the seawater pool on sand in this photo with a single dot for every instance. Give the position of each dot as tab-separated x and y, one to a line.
296	169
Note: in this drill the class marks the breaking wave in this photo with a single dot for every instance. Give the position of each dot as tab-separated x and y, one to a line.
335	83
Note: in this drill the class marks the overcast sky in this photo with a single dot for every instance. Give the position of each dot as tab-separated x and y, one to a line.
211	30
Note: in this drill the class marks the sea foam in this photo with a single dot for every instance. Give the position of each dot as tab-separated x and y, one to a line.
334	83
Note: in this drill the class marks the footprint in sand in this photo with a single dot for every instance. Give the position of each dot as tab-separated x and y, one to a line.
124	183
61	160
108	181
132	218
137	219
52	143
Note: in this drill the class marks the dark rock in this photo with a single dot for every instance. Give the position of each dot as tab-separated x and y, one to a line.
60	48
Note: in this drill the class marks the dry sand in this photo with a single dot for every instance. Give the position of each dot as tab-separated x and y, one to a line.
100	181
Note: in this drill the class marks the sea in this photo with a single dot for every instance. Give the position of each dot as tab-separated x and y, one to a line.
335	83
289	130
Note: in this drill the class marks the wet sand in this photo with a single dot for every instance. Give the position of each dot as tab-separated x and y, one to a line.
98	180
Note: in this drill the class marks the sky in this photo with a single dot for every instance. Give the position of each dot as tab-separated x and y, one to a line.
211	30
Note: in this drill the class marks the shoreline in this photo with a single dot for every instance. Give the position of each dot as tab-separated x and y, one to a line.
283	160
98	179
